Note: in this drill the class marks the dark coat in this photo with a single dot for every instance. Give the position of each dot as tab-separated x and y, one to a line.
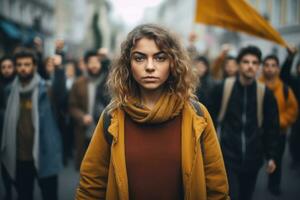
243	143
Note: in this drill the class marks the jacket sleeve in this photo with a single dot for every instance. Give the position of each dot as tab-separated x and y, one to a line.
94	168
285	73
289	116
75	112
271	127
215	174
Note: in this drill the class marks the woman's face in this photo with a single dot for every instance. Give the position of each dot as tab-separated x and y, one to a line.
149	65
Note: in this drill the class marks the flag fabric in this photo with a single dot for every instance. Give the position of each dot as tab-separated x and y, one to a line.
236	15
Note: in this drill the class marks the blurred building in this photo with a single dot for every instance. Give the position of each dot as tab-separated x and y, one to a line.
71	24
22	20
178	16
84	25
102	30
284	15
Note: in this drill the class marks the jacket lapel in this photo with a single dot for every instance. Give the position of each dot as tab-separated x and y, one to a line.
192	129
116	129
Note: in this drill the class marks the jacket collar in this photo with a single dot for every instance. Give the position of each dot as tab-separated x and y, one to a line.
192	128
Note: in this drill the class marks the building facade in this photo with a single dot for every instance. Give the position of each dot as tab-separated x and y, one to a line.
22	20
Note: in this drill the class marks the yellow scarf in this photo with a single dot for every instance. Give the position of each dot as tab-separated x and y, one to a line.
168	106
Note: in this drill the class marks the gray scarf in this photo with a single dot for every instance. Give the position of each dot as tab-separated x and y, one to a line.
11	116
92	93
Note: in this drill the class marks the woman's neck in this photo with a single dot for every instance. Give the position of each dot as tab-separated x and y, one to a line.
149	98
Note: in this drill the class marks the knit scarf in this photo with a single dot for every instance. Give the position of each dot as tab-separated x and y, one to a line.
168	106
11	116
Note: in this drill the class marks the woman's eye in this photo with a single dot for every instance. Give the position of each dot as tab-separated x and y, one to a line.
138	58
160	58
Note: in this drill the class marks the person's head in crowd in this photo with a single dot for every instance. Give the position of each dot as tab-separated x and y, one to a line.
93	63
201	65
49	66
103	53
271	67
152	61
249	59
7	69
70	69
230	66
25	62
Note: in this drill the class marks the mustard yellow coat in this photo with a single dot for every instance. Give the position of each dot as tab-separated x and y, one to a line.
103	170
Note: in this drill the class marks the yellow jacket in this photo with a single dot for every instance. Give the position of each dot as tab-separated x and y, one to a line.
287	108
103	170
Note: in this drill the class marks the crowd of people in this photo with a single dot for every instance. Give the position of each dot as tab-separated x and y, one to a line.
50	108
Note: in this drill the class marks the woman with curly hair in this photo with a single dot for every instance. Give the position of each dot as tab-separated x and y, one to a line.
160	142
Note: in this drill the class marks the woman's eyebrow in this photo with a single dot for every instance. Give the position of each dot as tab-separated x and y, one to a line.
141	53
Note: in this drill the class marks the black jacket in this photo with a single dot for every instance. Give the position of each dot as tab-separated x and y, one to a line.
292	81
244	144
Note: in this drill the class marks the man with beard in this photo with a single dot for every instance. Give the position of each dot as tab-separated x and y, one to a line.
31	144
288	110
294	82
249	124
87	100
7	75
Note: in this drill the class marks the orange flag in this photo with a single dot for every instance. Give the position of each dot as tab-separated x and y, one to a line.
236	15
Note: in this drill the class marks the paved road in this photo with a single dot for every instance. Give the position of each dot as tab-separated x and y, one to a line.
68	180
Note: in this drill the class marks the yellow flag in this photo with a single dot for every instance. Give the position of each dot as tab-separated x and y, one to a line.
236	15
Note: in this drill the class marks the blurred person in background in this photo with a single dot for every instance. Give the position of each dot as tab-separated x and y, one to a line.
70	73
202	67
224	65
81	69
68	136
87	99
104	57
7	75
248	117
294	82
31	143
161	143
288	111
7	71
49	69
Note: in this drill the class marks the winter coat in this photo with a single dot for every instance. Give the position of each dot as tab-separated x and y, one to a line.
103	170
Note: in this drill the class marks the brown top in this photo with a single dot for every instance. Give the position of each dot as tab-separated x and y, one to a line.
25	129
153	160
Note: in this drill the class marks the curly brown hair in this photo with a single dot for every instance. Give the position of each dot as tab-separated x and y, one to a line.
182	80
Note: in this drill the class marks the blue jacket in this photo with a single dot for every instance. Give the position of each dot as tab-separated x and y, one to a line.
50	155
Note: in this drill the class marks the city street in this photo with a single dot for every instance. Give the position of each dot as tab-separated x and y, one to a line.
68	181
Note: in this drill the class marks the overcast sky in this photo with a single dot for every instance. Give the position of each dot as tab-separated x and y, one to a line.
131	11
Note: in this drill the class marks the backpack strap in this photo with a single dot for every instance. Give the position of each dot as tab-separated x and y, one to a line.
197	107
227	90
260	93
106	122
199	112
